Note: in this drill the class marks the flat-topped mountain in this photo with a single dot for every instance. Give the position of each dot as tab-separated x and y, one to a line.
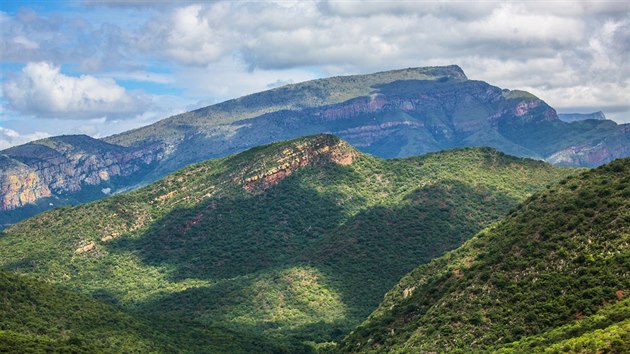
295	241
389	114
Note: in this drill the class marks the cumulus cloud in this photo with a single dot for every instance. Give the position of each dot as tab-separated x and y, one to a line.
42	90
192	39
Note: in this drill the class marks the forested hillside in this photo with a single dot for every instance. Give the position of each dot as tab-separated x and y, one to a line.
554	273
297	241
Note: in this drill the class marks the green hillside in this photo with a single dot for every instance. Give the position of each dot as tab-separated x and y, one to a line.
297	241
553	275
607	331
40	318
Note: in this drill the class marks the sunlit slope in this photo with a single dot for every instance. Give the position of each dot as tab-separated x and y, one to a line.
298	239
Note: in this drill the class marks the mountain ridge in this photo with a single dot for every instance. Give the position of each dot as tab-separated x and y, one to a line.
389	114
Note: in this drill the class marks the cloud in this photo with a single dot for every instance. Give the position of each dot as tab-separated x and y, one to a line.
43	91
192	39
572	54
229	78
9	137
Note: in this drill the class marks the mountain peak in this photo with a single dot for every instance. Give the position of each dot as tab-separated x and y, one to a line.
576	117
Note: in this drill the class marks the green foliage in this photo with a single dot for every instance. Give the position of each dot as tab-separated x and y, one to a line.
302	259
608	330
560	256
41	318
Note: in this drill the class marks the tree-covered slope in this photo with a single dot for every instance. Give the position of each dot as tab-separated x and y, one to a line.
545	276
41	318
607	331
298	239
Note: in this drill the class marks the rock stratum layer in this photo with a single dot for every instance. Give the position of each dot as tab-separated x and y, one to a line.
388	114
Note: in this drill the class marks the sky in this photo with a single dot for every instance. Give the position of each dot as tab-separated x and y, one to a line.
100	67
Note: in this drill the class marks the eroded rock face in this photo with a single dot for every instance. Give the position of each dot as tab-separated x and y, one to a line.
324	149
20	188
585	155
63	166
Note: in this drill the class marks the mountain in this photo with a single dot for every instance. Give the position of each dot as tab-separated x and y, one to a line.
574	117
296	241
554	273
66	170
36	317
389	114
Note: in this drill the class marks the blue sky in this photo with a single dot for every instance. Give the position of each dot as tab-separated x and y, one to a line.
102	67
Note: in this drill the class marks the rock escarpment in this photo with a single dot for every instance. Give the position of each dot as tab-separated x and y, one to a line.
68	167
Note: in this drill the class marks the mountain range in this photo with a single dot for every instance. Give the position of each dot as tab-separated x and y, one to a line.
290	245
388	114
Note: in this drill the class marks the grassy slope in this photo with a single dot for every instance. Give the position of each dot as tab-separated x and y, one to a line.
562	255
39	317
306	258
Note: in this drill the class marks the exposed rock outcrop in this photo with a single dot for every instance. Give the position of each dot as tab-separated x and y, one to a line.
325	148
63	166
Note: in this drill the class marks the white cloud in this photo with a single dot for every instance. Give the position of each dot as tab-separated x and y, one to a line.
142	76
25	42
192	40
230	78
42	90
10	137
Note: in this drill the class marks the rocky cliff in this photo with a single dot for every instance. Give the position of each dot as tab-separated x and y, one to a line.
69	167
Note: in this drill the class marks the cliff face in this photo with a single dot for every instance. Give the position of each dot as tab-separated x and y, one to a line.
19	185
310	152
63	167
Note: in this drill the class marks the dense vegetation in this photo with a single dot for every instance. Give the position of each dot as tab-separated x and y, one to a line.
302	258
607	331
40	318
553	275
